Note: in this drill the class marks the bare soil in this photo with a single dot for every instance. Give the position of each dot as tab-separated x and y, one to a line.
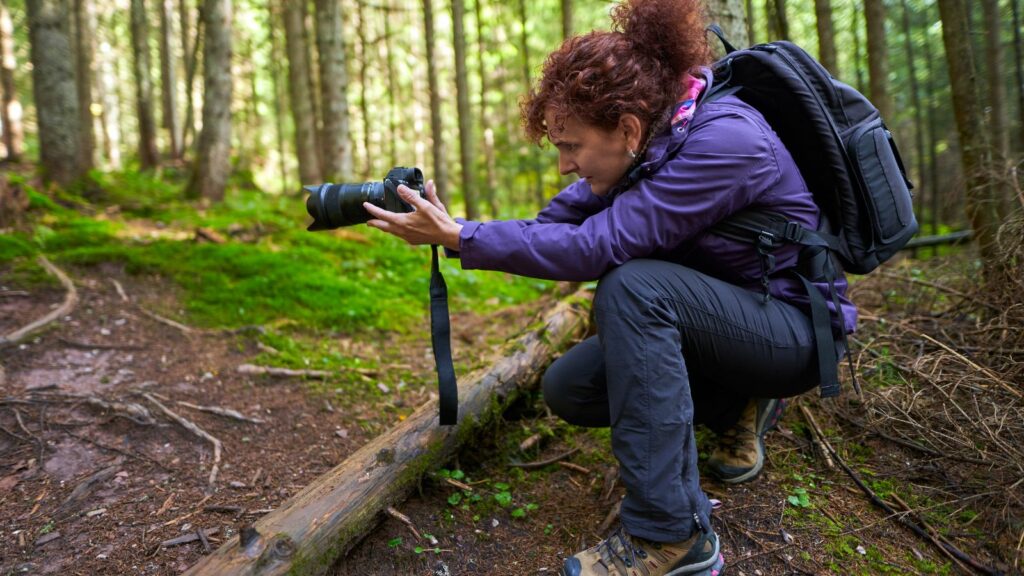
88	490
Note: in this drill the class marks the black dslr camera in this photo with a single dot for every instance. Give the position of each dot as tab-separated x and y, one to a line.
336	205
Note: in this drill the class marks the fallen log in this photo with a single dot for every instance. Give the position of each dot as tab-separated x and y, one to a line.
306	534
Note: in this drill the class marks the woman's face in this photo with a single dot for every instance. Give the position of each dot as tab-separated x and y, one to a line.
599	156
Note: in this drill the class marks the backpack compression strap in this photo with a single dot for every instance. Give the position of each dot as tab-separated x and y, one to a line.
440	339
767	231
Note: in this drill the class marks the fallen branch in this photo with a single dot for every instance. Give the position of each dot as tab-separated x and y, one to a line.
931	533
191	427
920	532
274	371
85	487
70	300
610	518
324	520
192	537
135	412
543	463
92	346
403	519
226	412
167	321
818	436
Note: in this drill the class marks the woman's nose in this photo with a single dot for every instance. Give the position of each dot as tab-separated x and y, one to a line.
566	165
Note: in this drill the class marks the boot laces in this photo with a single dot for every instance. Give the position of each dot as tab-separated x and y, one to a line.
616	547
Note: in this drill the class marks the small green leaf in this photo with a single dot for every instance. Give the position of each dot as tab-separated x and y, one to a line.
519	513
418	550
455	498
395	542
500	486
458	474
504	499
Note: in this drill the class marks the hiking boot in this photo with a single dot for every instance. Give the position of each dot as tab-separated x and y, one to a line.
739	455
624	555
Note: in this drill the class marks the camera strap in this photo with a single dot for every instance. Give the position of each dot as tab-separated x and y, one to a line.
440	337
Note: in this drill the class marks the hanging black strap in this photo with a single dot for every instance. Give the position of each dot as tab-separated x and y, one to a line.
440	337
717	31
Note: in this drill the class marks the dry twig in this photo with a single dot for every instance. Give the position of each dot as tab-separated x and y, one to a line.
191	427
226	412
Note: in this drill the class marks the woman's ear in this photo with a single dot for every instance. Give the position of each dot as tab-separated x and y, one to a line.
631	127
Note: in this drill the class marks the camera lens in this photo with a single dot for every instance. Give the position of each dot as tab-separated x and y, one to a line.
337	205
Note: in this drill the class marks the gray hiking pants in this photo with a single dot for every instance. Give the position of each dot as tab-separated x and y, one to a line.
675	346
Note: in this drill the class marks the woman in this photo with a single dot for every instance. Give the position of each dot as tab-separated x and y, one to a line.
684	334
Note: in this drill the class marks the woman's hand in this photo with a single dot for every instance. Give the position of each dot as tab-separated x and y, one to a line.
429	224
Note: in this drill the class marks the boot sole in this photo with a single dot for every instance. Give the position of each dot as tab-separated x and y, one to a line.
702	568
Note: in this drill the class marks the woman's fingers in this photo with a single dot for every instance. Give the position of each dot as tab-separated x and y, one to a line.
432	196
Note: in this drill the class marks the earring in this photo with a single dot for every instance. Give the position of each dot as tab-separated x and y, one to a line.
632	154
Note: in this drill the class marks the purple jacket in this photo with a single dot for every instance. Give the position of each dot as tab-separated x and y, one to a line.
726	159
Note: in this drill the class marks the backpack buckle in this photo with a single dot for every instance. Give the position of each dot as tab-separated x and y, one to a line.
792	232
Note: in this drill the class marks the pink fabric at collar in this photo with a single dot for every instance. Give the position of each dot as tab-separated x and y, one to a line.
693	86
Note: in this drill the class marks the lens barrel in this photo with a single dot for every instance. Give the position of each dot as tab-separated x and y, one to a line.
336	205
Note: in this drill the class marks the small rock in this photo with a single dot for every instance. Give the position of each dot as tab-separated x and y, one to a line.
861	550
104	332
237	484
343	433
383	387
494	522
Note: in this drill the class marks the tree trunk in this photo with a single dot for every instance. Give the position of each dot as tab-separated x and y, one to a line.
364	105
826	36
390	74
436	127
524	56
148	157
998	115
465	127
300	93
915	99
85	56
491	178
327	518
10	111
933	132
729	15
334	141
878	57
858	60
1018	51
566	19
777	20
982	198
213	162
275	76
110	111
53	84
168	79
190	52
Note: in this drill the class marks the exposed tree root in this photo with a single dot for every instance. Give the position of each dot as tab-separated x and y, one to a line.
70	301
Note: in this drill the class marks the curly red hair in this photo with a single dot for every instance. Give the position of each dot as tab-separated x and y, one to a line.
635	68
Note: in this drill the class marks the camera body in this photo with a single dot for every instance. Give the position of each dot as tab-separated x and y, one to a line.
336	205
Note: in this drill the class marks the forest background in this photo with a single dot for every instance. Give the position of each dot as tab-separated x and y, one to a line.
163	146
